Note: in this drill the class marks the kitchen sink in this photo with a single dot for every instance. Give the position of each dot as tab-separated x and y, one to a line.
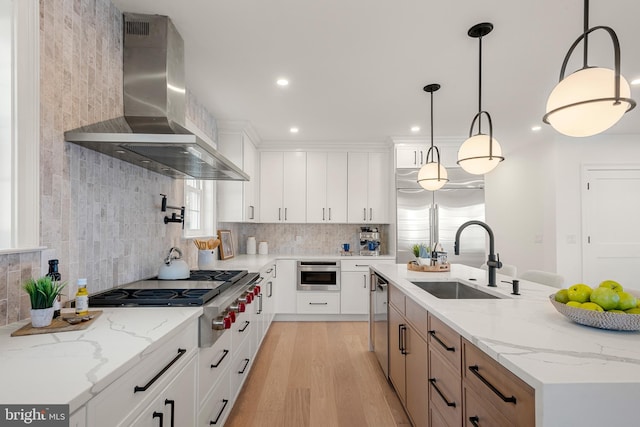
453	290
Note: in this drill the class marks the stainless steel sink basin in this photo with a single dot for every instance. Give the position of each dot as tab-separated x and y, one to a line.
453	290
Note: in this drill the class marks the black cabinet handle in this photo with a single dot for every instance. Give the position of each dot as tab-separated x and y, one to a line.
224	354
246	363
433	383
224	405
158	415
270	294
474	369
403	339
318	303
259	303
474	421
173	407
244	328
181	352
435	337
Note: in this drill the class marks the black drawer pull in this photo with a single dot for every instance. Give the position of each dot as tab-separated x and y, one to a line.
244	328
224	354
318	303
433	383
403	339
158	415
474	369
173	407
474	421
224	405
435	337
181	352
246	363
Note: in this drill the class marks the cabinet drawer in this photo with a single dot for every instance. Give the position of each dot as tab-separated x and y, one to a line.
446	341
217	405
152	372
418	317
511	396
445	389
396	297
361	264
318	302
478	413
212	362
435	418
243	327
240	366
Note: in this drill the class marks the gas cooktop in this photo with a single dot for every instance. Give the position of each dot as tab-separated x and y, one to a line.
201	287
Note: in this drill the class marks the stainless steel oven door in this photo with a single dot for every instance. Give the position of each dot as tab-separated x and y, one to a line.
318	276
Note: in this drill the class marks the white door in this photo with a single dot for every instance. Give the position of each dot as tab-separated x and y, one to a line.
250	187
336	187
378	188
271	178
295	186
358	171
317	187
354	292
410	157
611	243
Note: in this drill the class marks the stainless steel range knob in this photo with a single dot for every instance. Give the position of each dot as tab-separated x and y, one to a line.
246	298
256	290
221	323
237	307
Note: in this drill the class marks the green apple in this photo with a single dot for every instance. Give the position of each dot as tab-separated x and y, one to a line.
627	301
612	284
563	296
633	311
591	306
575	304
606	298
616	311
579	292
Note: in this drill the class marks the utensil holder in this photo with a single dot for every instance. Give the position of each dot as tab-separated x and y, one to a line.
206	259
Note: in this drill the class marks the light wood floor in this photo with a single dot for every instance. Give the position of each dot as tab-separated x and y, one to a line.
317	374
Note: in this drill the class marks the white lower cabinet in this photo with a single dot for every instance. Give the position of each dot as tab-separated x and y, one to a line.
218	404
354	284
78	418
176	404
240	366
310	302
286	299
213	364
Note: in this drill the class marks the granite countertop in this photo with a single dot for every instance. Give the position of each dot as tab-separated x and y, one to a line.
72	367
571	367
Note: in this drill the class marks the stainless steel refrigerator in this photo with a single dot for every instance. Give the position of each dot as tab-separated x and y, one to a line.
432	217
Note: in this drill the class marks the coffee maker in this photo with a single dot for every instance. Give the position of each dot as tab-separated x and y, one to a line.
369	241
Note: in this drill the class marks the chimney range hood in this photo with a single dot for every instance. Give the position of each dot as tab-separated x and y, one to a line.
152	133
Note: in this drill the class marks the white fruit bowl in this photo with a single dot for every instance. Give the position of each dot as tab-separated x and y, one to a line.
598	319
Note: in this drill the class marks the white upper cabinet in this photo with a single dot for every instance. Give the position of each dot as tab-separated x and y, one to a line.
415	155
237	201
326	187
368	187
283	186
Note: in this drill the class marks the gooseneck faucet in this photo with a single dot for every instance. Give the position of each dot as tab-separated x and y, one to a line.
493	263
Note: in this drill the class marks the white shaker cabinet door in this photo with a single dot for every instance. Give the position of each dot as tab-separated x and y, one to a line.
337	187
378	188
358	173
295	187
317	187
271	178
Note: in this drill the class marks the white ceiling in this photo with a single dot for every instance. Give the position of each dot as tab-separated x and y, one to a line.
357	67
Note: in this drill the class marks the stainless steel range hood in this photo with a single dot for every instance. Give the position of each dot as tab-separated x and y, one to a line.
152	133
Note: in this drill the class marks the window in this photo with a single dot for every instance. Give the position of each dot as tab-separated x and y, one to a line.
19	110
199	196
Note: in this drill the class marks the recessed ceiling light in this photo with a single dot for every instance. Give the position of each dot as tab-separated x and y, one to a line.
536	128
294	130
635	82
282	82
415	128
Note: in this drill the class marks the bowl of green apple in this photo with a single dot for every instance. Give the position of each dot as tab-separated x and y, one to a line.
607	306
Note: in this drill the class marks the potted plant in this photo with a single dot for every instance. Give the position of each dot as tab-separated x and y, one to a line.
42	293
422	253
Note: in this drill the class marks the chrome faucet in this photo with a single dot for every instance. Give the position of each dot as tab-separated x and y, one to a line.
171	257
493	263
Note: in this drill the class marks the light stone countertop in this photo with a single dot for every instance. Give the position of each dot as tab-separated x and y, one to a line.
581	375
256	262
72	367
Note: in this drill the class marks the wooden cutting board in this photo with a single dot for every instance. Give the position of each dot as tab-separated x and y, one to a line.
428	268
58	324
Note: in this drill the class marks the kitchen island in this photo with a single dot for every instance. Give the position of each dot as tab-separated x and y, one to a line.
581	375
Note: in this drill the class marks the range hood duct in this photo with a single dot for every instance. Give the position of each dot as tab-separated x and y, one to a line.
152	133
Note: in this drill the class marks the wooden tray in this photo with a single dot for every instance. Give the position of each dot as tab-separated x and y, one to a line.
414	266
58	324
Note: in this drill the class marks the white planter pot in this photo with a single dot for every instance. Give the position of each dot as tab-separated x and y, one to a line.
41	317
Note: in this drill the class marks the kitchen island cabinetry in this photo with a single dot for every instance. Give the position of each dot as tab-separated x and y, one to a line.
408	355
326	187
354	284
368	188
283	186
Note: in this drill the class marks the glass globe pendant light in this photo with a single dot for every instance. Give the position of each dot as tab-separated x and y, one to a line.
592	99
432	176
480	153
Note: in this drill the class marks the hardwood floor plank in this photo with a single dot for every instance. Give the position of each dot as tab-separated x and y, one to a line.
317	374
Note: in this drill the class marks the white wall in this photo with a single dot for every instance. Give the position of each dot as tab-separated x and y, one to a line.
520	207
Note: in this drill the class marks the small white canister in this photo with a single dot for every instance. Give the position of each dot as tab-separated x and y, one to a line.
251	245
206	259
263	248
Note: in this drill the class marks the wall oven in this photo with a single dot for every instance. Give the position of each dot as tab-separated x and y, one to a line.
318	276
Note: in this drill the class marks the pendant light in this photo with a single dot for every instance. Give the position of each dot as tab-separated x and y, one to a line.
480	153
432	176
592	99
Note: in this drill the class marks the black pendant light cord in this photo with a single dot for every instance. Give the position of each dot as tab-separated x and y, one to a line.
586	33
480	85
431	150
